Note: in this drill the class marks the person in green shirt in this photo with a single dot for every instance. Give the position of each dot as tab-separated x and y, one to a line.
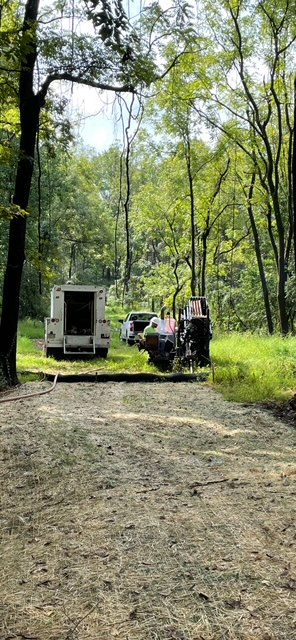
152	327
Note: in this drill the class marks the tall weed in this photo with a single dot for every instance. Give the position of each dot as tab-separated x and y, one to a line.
249	367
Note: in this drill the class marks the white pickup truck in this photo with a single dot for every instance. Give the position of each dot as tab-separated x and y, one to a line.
77	323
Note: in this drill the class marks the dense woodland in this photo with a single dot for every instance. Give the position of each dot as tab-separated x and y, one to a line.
198	198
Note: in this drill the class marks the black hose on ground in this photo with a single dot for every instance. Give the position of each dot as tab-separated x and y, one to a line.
110	377
131	377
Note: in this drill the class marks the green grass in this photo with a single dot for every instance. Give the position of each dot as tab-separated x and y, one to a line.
248	367
31	329
121	357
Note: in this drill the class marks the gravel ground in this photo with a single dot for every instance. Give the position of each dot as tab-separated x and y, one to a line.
153	511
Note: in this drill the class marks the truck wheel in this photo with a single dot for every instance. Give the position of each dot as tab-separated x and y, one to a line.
102	353
54	353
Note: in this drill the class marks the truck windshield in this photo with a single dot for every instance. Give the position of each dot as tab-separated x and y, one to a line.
143	317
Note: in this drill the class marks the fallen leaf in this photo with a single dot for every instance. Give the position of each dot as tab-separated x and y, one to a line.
133	614
233	603
291	584
176	634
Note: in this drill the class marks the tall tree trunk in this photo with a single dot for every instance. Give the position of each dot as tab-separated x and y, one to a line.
207	229
29	117
204	240
271	235
126	206
117	259
72	260
40	242
178	288
280	248
129	137
282	266
281	291
259	257
128	261
294	178
192	212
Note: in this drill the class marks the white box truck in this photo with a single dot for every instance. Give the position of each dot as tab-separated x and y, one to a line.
77	323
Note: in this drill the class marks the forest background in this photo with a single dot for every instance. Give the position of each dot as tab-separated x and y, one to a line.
198	199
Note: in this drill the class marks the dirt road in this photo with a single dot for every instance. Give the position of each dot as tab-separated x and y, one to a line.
152	511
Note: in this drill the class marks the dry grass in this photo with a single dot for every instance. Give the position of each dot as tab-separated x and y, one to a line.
146	512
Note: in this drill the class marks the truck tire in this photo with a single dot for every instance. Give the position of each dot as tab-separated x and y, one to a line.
54	353
102	352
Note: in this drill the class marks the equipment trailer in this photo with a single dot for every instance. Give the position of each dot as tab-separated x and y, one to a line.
195	333
77	324
189	343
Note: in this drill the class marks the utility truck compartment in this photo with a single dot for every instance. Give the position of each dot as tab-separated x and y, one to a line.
79	313
77	323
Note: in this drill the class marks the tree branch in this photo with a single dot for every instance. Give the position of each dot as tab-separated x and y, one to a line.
80	80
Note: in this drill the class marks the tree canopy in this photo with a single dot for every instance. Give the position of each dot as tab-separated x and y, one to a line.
200	199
